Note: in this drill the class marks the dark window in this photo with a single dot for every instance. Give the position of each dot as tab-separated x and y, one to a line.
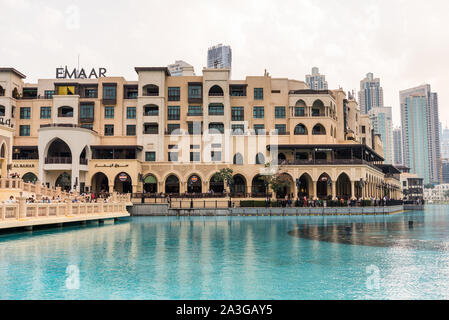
131	130
24	130
150	128
150	156
300	129
195	146
25	113
109	112
172	127
174	93
238	114
258	112
130	112
108	129
258	93
216	109
89	126
195	92
195	111
300	112
363	129
281	129
109	92
65	112
48	94
45	112
216	91
150	110
237	91
238	129
151	90
90	93
213	126
279	112
86	111
173	113
259	129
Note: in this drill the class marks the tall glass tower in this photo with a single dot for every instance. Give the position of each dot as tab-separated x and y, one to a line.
371	94
420	132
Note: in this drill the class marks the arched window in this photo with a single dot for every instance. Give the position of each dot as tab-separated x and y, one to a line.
318	130
216	91
318	109
260	158
2	111
65	112
300	129
172	184
29	177
151	90
3	151
58	152
300	108
238	159
150	110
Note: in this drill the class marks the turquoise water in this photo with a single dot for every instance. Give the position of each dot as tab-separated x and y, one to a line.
376	257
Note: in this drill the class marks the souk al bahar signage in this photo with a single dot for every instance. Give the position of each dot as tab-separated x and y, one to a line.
66	73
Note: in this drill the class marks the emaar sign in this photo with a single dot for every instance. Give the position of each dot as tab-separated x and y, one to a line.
65	73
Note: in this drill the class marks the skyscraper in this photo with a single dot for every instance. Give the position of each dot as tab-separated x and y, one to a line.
397	146
382	124
445	143
219	57
181	68
371	94
316	81
420	132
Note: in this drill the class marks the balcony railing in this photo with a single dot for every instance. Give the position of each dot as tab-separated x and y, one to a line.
58	160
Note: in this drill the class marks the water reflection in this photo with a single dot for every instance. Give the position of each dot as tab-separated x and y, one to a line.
407	232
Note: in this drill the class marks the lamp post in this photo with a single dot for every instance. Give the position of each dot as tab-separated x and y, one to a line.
229	183
189	185
142	197
266	193
298	185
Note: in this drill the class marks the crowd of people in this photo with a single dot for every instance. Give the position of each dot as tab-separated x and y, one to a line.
89	197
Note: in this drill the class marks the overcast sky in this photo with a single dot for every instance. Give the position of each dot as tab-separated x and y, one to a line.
405	43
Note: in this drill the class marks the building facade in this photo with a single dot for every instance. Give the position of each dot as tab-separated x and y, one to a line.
371	94
171	134
420	132
316	81
397	146
219	57
181	68
381	119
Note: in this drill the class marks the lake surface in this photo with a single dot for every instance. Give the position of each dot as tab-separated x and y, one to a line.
364	257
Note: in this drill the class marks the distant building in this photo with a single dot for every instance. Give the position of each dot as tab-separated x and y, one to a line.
437	193
420	132
444	169
316	81
397	146
181	68
381	119
445	143
412	185
219	57
371	94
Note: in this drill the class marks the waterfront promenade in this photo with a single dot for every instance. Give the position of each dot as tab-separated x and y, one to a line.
54	207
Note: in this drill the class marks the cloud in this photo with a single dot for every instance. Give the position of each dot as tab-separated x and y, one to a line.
402	42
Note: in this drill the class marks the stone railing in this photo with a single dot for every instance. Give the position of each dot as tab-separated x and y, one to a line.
36	188
24	210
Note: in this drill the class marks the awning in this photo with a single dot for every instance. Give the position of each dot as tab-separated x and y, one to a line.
150	179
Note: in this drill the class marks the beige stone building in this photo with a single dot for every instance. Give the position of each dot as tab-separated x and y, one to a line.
166	134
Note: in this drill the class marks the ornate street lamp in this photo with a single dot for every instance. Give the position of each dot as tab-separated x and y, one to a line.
142	198
230	196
